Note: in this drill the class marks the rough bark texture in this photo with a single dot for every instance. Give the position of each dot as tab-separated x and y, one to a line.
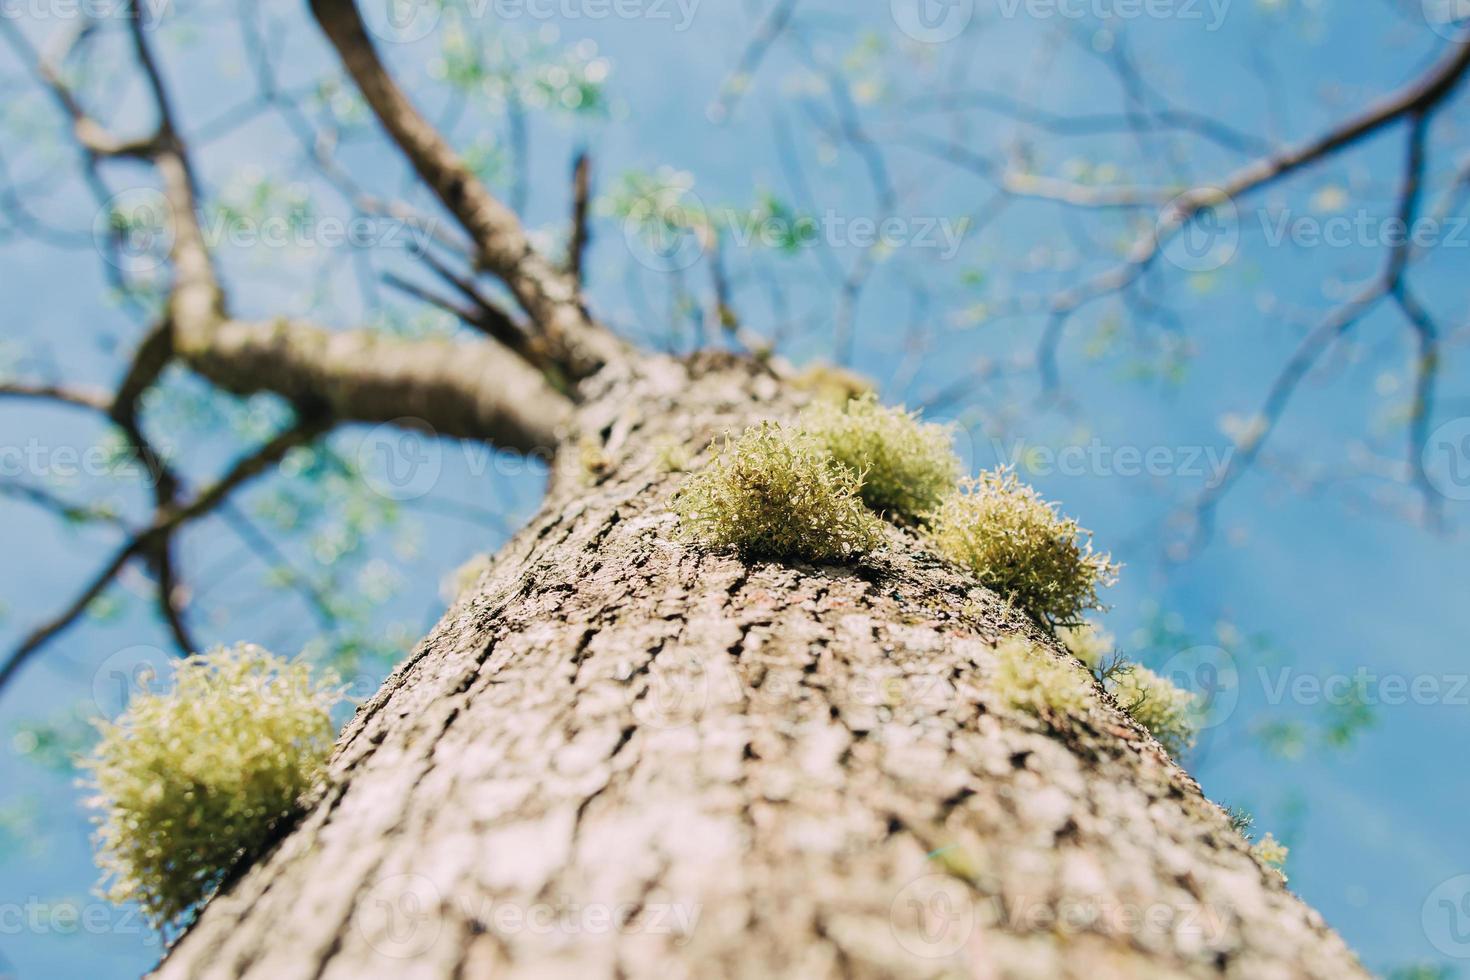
620	756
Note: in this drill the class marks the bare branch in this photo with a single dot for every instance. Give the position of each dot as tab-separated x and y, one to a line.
738	81
78	397
487	316
1391	283
463	390
157	535
170	606
64	509
548	295
581	203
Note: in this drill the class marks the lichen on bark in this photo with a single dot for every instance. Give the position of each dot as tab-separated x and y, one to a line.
621	755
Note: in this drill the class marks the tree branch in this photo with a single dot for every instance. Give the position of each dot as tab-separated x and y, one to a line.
581	203
157	535
464	390
76	396
548	295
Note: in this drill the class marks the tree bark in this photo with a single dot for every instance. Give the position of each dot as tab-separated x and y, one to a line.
619	755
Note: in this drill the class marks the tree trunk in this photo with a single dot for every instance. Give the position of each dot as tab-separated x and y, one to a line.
618	755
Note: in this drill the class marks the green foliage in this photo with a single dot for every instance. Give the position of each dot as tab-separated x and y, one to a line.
54	744
1421	971
513	69
1032	679
776	493
1155	703
907	466
1017	544
190	780
1241	820
21	829
1348	716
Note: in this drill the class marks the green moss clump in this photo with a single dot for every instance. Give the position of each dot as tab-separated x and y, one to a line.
830	383
1168	712
776	493
190	781
670	455
1089	644
1032	679
1272	853
1016	543
907	466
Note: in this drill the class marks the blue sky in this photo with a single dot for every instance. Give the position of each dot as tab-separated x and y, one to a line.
1316	566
